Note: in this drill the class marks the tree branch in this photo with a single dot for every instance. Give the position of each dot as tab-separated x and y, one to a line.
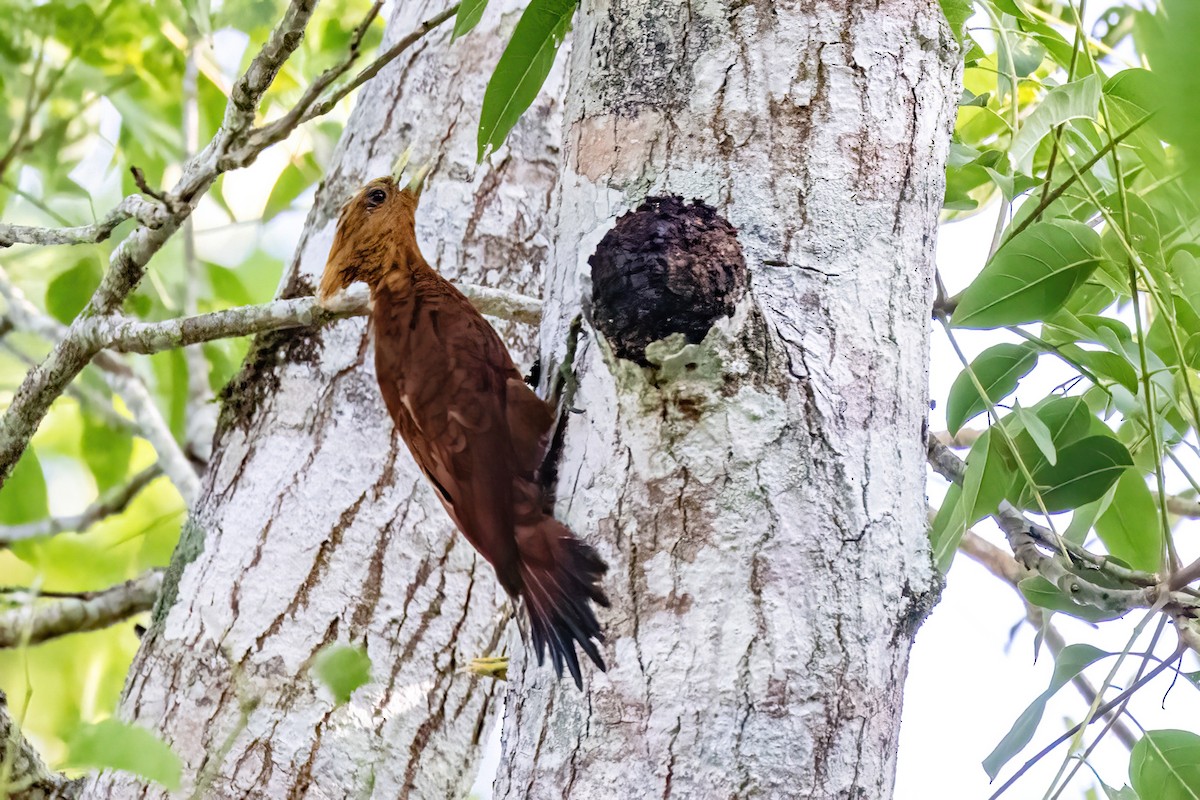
132	207
134	336
381	61
123	381
280	128
89	611
1025	537
28	775
112	502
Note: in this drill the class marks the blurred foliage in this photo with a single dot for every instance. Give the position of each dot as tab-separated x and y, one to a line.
341	669
1085	142
89	89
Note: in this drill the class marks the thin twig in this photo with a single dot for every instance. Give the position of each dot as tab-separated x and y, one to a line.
1100	712
112	502
40	622
132	207
381	61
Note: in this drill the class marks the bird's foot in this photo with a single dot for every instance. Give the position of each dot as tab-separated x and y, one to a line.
495	668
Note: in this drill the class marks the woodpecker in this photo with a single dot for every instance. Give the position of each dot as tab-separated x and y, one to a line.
474	427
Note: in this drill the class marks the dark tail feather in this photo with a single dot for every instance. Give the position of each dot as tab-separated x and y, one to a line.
560	579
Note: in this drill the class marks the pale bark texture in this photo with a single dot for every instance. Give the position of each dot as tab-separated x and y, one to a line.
314	526
759	496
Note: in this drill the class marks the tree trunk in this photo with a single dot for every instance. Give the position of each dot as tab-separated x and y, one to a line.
759	496
314	526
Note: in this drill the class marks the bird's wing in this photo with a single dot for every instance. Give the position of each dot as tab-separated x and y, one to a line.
445	376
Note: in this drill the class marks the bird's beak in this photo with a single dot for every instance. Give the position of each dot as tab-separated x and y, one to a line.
416	180
401	163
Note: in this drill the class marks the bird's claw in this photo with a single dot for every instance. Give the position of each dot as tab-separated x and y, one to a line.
495	668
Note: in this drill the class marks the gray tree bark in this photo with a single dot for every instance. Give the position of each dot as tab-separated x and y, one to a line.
759	496
314	526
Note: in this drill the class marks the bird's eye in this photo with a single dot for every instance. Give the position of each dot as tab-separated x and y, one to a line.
376	197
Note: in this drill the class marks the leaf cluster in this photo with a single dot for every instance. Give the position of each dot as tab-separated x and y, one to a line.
1083	141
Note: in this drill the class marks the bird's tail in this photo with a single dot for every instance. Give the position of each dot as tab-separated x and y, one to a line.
560	579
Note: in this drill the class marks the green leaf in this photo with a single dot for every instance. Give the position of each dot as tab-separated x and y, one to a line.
171	374
1038	431
199	12
947	529
227	286
1084	472
522	69
987	478
68	293
1124	793
112	744
1030	276
1053	42
24	496
970	99
291	183
1167	39
1027	55
957	13
1133	96
998	369
1185	269
1073	100
471	11
1131	528
985	483
1165	765
1070	662
342	669
1104	364
107	451
1044	594
1083	518
1068	419
1013	7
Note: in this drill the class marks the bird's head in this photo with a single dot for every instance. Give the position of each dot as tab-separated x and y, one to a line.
376	232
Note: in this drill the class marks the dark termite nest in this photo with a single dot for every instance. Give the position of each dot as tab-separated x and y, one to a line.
665	268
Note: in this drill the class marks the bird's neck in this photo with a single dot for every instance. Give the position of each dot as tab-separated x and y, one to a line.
405	265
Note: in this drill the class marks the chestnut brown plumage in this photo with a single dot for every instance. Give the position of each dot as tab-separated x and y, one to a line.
474	427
